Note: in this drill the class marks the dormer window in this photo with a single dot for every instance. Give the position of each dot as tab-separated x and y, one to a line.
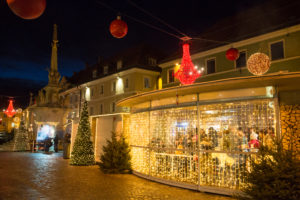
105	70
119	65
152	61
95	73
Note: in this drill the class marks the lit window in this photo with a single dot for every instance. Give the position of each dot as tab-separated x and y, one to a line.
105	70
277	50
92	92
146	82
241	61
88	94
170	75
211	66
119	64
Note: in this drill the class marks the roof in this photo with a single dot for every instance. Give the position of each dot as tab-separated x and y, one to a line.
263	18
135	57
283	82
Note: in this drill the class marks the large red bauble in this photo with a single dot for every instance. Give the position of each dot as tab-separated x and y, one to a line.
118	28
27	9
232	54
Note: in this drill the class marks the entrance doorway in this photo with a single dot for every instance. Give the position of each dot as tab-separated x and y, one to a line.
45	138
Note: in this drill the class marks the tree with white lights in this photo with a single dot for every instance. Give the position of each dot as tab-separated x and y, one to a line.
83	152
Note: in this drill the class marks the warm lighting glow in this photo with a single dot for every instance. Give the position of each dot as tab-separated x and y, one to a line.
258	64
119	86
172	149
159	83
87	94
10	111
176	68
187	73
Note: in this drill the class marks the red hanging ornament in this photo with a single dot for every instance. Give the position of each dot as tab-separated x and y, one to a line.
27	9
232	54
10	111
187	72
118	28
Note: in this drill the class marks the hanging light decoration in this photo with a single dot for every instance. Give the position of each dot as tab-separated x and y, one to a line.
118	28
232	54
27	9
10	111
187	72
258	63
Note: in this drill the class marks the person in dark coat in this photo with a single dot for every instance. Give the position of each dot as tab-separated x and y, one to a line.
56	143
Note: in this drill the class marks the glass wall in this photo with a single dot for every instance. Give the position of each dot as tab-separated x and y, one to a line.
206	145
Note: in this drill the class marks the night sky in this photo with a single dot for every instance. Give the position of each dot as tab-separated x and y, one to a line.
83	25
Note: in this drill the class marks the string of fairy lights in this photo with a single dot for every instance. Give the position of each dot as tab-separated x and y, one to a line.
170	147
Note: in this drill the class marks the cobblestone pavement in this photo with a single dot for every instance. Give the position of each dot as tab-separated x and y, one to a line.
49	176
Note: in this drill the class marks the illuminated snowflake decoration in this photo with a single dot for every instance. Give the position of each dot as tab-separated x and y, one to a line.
258	64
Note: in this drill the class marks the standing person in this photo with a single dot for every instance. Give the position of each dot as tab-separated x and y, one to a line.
243	141
56	143
67	141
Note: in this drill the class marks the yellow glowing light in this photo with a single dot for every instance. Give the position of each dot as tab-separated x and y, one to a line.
160	83
119	86
88	94
176	68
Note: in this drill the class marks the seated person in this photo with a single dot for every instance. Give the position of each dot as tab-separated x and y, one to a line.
253	139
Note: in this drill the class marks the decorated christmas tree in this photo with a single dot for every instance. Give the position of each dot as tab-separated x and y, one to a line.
83	153
21	138
116	156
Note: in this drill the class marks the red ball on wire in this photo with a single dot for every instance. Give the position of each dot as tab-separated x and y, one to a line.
27	9
118	28
232	54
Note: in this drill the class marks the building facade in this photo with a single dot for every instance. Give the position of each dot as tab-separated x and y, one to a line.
105	84
202	136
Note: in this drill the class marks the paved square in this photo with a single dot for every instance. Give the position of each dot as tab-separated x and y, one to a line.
49	176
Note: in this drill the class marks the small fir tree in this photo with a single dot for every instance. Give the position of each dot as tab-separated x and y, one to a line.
116	156
83	153
274	174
